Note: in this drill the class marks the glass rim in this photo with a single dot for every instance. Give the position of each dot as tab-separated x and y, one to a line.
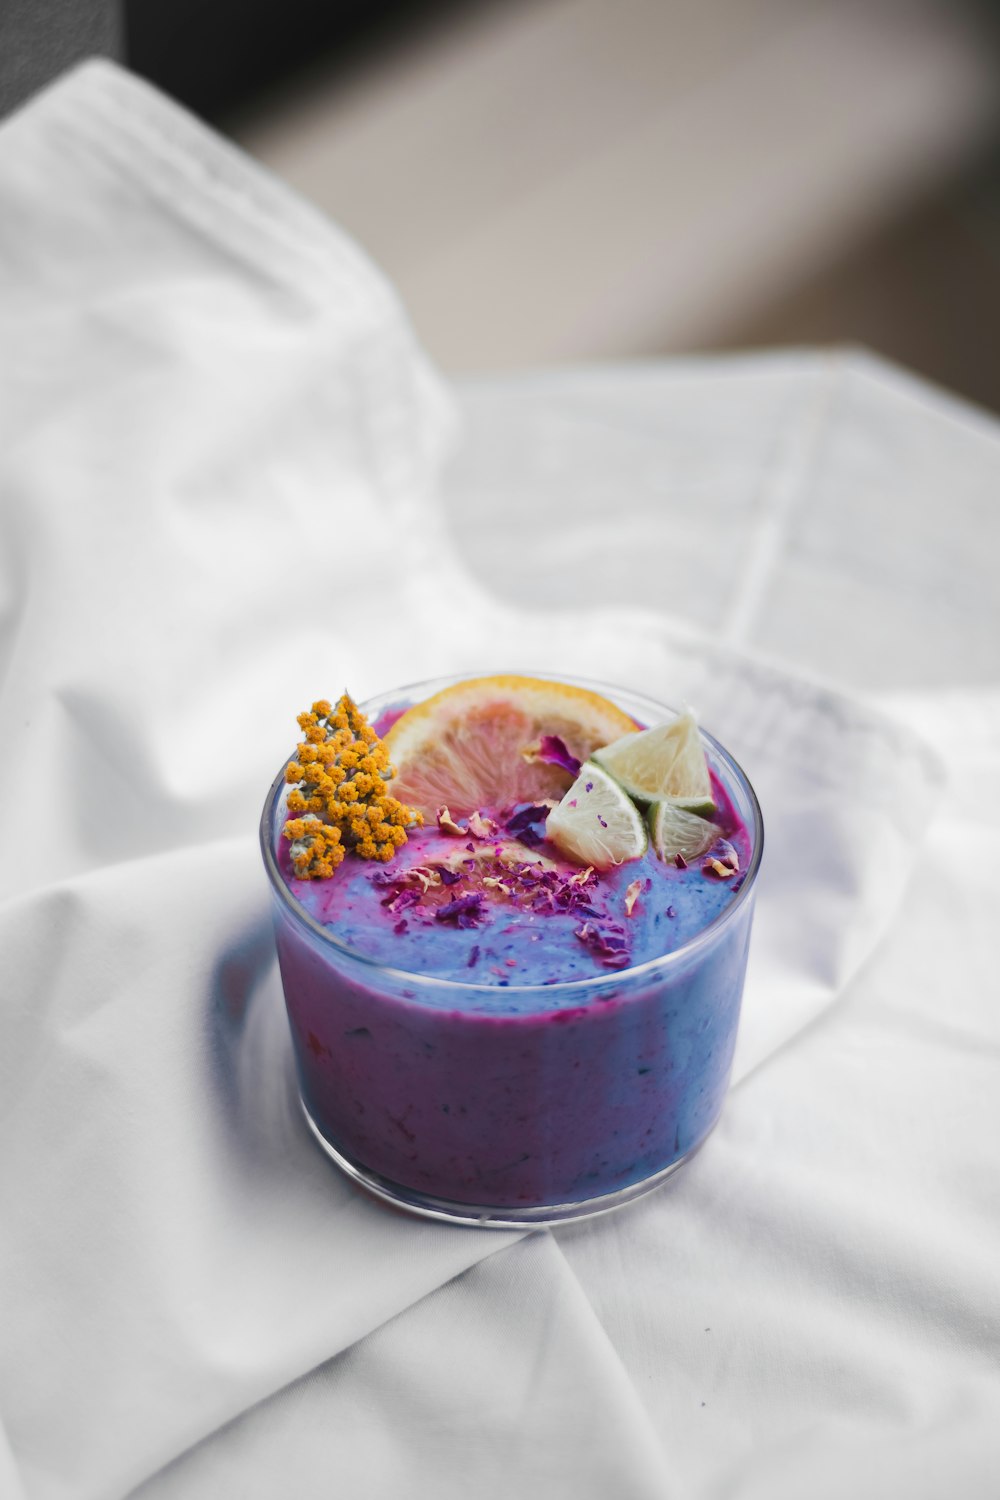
652	967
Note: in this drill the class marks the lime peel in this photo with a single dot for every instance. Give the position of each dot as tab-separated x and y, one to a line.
665	761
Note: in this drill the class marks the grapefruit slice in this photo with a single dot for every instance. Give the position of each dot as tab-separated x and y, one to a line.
464	747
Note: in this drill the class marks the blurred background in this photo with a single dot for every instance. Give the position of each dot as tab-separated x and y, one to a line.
563	180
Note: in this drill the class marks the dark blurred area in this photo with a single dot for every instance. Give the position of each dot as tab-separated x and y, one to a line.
551	181
217	56
39	39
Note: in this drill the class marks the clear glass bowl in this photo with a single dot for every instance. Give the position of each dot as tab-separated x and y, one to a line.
428	1094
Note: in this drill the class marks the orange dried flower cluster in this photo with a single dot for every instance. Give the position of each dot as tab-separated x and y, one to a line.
339	797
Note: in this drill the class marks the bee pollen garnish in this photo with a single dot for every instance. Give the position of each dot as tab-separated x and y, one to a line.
339	801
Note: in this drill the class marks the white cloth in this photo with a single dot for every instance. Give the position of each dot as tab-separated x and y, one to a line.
221	472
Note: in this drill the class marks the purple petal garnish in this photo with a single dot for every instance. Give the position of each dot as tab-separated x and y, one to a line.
722	861
465	910
589	787
402	899
473	956
608	948
448	877
723	850
554	751
526	818
401	926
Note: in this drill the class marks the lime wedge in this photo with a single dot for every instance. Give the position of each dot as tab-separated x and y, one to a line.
665	761
597	823
676	830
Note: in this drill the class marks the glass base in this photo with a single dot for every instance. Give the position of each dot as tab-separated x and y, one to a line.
544	1216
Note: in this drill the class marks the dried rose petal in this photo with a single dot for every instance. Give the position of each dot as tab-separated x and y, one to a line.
722	861
525	820
609	947
402	899
723	850
447	824
552	750
464	910
482	828
632	896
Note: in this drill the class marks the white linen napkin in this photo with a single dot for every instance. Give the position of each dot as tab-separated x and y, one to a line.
220	450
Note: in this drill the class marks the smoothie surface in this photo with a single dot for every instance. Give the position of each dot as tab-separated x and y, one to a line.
501	908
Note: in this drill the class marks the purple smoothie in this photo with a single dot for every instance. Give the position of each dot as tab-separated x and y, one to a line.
501	1038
